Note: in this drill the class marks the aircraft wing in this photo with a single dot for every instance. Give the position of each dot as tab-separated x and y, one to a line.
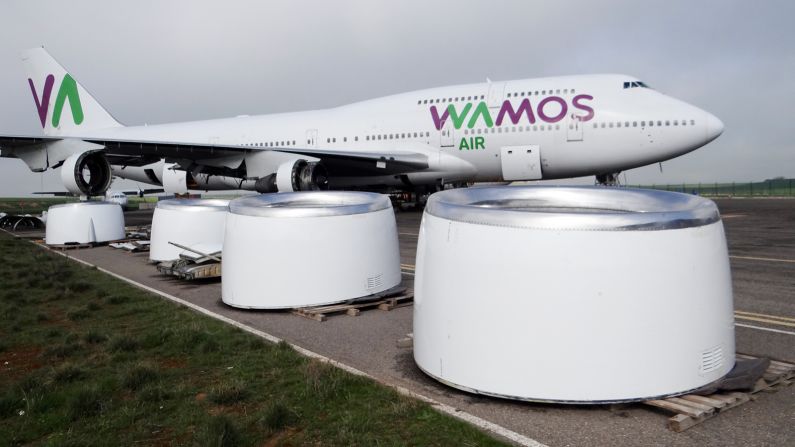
13	141
227	158
137	192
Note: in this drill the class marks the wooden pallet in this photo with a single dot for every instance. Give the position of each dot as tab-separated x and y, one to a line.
691	409
70	246
320	313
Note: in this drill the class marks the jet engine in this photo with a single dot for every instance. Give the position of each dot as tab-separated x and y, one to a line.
295	175
86	173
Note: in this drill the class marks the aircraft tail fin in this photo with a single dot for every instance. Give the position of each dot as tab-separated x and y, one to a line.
64	107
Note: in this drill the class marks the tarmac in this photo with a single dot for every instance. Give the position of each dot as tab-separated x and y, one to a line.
761	238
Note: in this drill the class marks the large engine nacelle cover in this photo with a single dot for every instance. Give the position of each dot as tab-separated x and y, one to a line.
86	174
175	181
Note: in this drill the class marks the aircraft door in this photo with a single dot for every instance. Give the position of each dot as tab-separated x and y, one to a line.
446	135
311	138
574	127
521	162
496	94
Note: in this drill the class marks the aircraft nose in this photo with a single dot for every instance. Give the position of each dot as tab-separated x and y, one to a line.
714	127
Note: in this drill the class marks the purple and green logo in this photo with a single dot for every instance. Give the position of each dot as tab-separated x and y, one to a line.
550	110
67	91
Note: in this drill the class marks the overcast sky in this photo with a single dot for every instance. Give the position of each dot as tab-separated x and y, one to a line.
158	62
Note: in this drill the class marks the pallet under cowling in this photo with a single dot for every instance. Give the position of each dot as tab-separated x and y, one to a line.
692	409
320	313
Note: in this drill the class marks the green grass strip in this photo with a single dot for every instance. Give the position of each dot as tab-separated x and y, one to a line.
87	359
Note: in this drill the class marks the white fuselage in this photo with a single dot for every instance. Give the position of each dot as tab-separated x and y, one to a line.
571	126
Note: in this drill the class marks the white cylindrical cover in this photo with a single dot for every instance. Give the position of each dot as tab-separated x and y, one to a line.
84	223
301	249
187	222
578	295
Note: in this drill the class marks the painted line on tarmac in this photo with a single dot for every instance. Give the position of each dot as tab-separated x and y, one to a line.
765	320
731	216
754	314
777	331
483	424
410	234
754	258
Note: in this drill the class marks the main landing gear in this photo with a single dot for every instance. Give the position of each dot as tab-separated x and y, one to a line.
609	179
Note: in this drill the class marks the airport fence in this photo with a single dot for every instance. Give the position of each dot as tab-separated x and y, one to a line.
767	188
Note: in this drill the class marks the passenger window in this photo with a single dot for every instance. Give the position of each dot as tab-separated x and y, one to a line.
659	123
557	92
676	122
626	85
667	123
626	124
618	124
572	91
692	122
611	125
643	124
557	126
595	126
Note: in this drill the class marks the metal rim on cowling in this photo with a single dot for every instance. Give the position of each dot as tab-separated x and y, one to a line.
194	204
573	208
310	204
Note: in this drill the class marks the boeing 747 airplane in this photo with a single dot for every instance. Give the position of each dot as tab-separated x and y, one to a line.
530	129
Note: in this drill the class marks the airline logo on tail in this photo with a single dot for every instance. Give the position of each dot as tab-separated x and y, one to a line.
67	90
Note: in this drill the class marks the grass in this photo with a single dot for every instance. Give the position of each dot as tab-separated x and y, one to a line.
94	361
31	205
779	187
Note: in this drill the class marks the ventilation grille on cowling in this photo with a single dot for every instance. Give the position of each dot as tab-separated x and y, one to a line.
711	359
375	281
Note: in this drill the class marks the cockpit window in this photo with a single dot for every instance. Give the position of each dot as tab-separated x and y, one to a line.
633	84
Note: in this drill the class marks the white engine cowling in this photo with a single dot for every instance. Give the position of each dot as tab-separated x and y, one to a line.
295	175
86	173
175	181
